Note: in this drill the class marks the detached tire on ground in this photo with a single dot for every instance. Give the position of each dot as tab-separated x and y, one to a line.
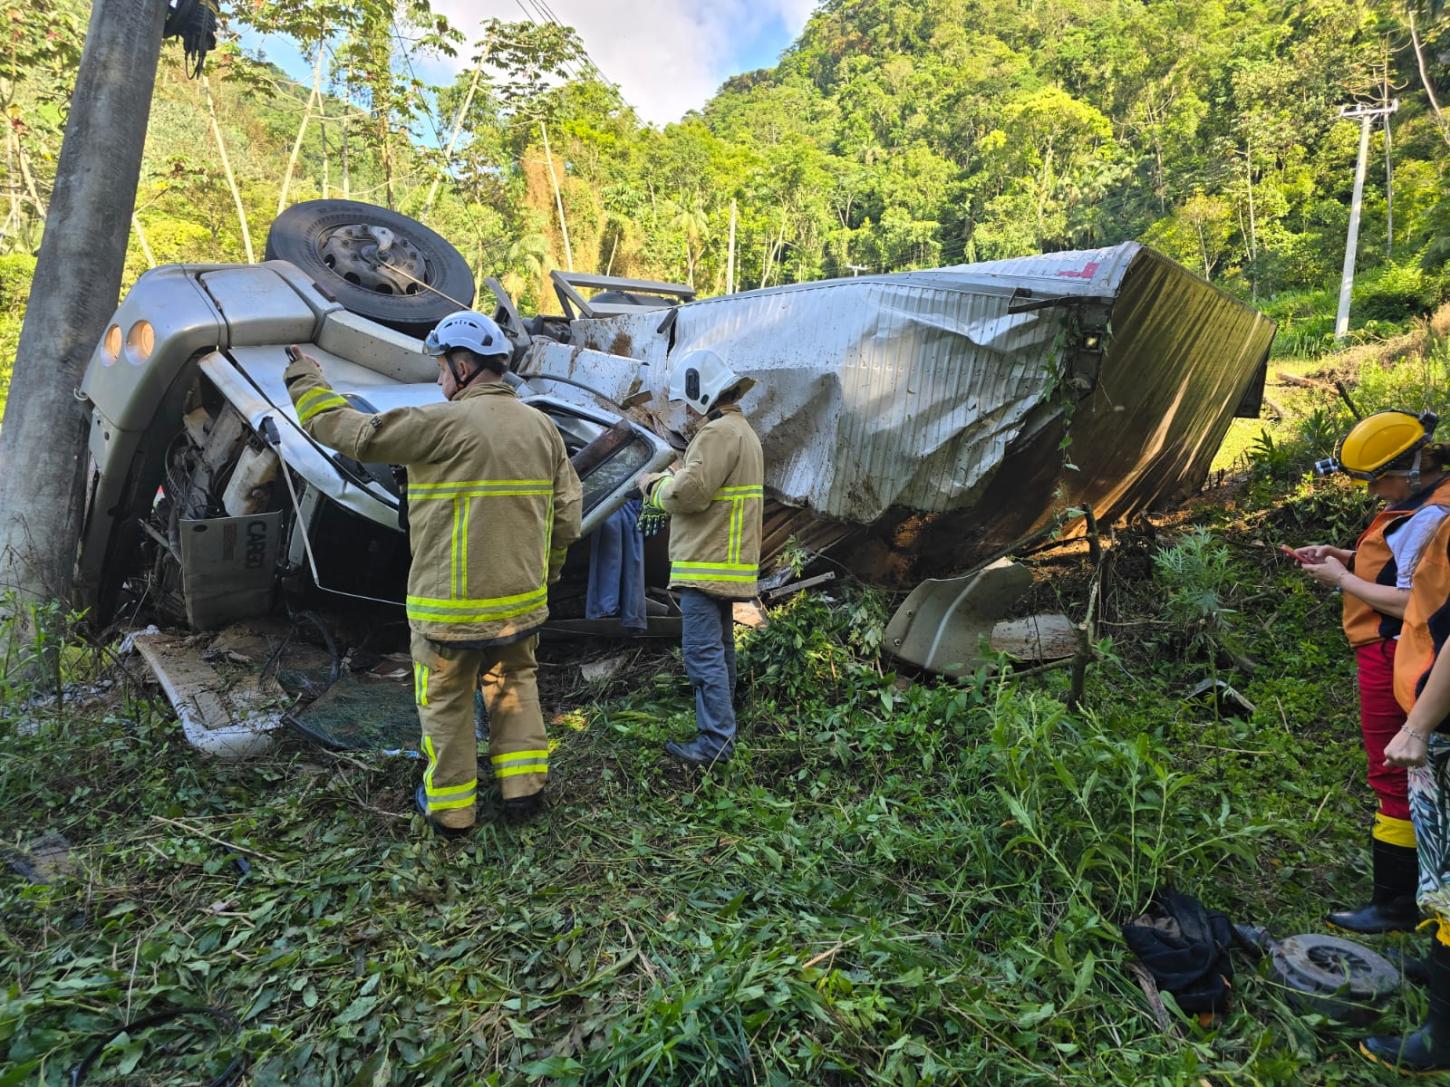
377	263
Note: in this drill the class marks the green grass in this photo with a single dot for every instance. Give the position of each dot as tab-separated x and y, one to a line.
887	886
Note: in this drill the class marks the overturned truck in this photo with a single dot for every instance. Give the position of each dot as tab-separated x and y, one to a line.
915	425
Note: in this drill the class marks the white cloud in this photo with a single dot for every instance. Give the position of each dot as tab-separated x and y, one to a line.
668	56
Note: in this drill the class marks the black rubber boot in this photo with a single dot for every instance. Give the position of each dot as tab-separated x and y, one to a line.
1392	906
420	799
1428	1048
520	809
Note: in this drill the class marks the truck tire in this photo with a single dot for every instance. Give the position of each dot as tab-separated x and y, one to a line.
379	264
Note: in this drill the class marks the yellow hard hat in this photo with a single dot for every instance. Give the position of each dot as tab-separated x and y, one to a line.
1378	440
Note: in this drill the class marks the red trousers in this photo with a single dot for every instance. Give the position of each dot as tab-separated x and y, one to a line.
1380	717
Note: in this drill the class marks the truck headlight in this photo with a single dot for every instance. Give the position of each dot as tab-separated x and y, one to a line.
140	341
111	345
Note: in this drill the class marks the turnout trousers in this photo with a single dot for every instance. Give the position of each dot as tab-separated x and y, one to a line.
444	681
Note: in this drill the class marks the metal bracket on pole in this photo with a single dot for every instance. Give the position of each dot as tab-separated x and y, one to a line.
1366	114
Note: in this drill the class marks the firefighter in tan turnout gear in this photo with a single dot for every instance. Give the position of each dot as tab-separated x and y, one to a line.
714	501
493	504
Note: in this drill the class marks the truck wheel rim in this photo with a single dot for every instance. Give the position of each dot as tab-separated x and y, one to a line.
374	258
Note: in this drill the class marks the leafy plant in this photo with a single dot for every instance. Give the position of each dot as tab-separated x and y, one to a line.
1196	575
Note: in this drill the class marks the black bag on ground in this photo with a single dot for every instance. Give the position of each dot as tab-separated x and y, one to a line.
1185	947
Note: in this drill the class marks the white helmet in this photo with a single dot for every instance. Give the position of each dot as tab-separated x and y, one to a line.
471	330
699	377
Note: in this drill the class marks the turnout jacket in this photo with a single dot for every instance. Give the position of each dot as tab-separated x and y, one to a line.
714	502
493	502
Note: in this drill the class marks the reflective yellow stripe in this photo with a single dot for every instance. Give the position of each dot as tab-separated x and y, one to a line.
718	573
515	771
420	684
467	493
1394	831
458	553
450	796
748	490
475	611
453	790
445	484
737	566
479	488
432	763
509	757
316	401
444	805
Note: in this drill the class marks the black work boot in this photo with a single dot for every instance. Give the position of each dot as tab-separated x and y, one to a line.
420	798
1392	906
520	809
1426	1049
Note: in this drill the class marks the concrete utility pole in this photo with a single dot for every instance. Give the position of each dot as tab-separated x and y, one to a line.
730	258
77	281
1366	115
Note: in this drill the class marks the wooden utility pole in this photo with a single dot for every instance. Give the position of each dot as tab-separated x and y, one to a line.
77	281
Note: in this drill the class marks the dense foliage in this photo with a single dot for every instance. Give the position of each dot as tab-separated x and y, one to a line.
891	135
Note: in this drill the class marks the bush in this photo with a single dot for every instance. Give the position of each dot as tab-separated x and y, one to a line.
16	272
1395	293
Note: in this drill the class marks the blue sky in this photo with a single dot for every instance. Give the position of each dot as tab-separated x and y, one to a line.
668	56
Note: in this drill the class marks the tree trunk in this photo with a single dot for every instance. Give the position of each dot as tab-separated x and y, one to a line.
77	281
1425	80
12	223
315	96
1253	222
221	146
141	237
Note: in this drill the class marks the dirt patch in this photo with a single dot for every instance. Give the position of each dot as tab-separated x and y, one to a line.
621	344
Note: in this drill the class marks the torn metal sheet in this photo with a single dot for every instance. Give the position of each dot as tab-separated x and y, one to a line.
943	624
958	410
229	718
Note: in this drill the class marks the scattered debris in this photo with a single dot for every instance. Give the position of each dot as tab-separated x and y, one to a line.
596	671
1228	702
747	613
942	624
44	859
1333	977
1046	637
360	712
230	720
797	586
